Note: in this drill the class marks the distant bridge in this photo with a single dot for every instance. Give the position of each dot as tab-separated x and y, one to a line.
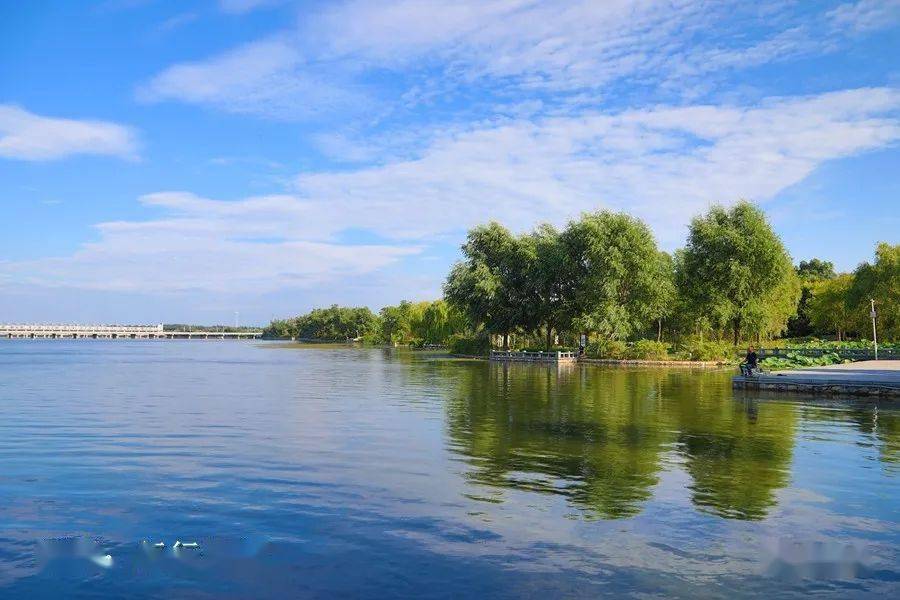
150	332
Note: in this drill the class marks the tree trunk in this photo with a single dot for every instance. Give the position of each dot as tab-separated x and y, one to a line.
659	330
549	336
737	331
506	340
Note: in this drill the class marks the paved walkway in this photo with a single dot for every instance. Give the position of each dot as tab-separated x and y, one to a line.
870	377
886	371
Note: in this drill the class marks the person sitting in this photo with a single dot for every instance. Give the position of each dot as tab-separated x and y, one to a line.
750	366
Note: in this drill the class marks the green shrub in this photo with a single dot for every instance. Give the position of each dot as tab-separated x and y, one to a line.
609	349
793	360
710	350
648	350
469	345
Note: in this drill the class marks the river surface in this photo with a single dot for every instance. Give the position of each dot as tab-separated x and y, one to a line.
338	472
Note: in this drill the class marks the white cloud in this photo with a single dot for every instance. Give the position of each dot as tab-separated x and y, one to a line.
866	15
27	136
663	164
264	77
244	6
393	54
249	246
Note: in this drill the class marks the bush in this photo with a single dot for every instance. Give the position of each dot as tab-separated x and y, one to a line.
469	345
793	360
694	349
649	350
609	349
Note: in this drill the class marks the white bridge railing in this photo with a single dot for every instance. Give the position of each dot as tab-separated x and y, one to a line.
512	355
16	331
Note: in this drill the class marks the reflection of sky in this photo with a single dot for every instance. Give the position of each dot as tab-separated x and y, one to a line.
322	456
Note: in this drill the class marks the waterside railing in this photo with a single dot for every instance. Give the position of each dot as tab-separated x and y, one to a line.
854	354
512	355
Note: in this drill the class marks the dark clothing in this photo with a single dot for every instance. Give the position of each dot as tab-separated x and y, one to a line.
752	360
750	366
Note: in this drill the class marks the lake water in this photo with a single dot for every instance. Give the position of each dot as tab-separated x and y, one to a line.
329	472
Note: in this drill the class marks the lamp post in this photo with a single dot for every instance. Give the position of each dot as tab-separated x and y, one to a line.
873	314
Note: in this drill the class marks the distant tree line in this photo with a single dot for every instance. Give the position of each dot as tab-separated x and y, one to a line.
603	276
408	323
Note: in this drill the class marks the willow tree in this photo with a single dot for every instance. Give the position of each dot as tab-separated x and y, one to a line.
615	271
828	307
663	303
489	285
736	272
548	302
440	321
810	272
879	281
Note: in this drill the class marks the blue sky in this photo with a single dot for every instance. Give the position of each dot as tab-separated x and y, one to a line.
171	162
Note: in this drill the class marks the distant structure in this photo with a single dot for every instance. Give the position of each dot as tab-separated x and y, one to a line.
150	332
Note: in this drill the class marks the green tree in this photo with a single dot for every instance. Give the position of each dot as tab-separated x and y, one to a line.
828	307
440	321
879	281
547	281
810	273
663	301
335	323
615	274
736	272
489	285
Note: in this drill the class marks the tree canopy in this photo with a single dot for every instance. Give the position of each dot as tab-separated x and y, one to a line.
879	281
603	276
736	272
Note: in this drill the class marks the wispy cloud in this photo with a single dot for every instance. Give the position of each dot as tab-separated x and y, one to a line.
399	54
254	245
263	78
27	136
239	7
663	163
866	15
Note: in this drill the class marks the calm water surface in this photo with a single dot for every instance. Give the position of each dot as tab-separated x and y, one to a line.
311	472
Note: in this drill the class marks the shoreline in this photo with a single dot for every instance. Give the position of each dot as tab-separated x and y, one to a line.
695	364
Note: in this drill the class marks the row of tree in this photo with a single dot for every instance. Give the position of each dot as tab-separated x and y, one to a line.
839	303
408	323
604	276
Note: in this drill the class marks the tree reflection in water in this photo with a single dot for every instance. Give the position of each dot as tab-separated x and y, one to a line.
601	436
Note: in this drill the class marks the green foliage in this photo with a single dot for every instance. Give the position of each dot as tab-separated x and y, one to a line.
279	328
815	343
706	350
827	308
469	345
736	273
648	350
440	321
603	274
879	281
795	360
811	273
335	323
607	349
488	287
815	270
616	274
547	282
419	323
